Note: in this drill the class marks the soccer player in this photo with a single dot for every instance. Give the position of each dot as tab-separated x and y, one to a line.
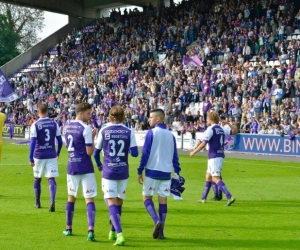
214	136
43	157
117	141
79	139
159	158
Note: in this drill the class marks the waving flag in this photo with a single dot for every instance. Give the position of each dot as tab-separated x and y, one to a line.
6	92
192	61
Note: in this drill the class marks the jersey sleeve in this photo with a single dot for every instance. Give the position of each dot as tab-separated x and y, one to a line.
87	134
99	143
132	139
208	133
57	130
227	131
33	133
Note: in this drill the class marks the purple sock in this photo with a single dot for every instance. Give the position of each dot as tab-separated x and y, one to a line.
91	213
37	190
70	214
206	190
52	189
115	218
120	213
149	205
222	187
215	189
163	209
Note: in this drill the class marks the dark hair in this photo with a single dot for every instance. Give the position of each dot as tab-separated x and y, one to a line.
159	112
43	109
81	107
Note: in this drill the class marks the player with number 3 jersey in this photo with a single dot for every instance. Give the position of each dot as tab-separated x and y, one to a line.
43	156
116	141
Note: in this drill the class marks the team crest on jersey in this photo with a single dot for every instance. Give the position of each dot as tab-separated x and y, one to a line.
40	126
107	136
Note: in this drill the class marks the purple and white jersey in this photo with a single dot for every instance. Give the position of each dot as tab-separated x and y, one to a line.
45	131
78	135
215	137
116	141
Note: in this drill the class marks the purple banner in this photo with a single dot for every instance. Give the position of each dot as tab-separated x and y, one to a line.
6	92
192	61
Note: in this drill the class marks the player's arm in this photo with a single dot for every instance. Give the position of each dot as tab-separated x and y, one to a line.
145	155
89	136
133	150
59	144
201	146
98	148
59	140
175	160
232	128
33	136
206	137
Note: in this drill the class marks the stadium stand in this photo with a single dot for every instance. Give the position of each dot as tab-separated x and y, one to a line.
141	60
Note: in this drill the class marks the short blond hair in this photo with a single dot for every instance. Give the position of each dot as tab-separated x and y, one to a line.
213	116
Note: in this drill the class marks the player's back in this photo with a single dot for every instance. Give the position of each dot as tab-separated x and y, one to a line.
76	137
116	143
216	142
45	131
162	150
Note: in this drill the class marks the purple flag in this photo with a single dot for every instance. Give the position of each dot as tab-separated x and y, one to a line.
192	61
6	92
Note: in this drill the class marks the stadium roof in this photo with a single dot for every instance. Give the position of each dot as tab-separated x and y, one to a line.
79	8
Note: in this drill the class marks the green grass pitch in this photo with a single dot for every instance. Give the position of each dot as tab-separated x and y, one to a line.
264	216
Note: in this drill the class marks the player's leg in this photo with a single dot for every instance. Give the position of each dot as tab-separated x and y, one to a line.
51	171
110	189
121	192
72	185
207	186
217	169
218	195
89	187
37	173
208	183
149	189
163	192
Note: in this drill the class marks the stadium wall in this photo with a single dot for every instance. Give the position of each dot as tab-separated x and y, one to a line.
241	143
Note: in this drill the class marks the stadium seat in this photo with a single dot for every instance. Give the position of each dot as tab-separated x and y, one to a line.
289	38
298	37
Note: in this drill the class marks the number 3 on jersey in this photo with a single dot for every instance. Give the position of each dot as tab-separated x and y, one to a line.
47	134
112	151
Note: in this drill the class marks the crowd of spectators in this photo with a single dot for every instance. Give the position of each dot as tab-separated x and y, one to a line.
117	60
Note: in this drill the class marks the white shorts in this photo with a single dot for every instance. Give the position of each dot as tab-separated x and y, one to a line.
153	186
215	166
47	166
114	188
88	182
